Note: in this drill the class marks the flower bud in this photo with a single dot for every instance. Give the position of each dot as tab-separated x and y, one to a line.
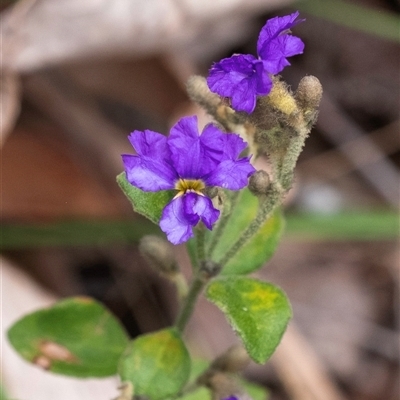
281	98
308	97
199	92
224	386
259	183
159	254
233	360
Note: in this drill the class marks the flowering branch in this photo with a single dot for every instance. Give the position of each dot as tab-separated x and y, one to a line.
189	183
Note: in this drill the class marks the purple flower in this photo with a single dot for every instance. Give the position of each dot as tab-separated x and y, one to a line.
244	77
187	162
240	77
275	42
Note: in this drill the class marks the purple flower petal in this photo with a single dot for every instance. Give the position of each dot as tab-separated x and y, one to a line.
196	207
275	43
184	212
213	143
148	174
233	146
291	45
187	153
150	170
150	144
275	27
230	71
203	207
278	49
240	77
174	223
231	174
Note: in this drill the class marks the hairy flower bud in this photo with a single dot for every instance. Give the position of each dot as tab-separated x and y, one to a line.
233	360
159	254
281	98
224	386
259	183
308	97
199	92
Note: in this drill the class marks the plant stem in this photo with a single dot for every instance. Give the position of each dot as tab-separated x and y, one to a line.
219	229
286	169
200	243
267	206
201	277
189	303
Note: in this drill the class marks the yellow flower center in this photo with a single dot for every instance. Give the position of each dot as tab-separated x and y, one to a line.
189	185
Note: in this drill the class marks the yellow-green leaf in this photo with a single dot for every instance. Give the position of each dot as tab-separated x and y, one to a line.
258	311
157	364
76	337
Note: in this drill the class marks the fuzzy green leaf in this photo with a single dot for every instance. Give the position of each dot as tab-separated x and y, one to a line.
157	364
262	245
258	311
76	337
148	204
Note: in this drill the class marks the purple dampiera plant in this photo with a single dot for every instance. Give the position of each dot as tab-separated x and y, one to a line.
243	77
187	162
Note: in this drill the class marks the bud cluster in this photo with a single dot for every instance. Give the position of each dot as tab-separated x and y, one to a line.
278	126
220	377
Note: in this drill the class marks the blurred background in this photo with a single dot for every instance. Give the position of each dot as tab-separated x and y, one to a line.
78	77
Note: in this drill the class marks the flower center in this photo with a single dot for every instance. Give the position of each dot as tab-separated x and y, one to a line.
189	185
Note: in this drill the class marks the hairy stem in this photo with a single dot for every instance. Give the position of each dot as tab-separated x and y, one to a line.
189	303
286	169
266	207
219	229
200	243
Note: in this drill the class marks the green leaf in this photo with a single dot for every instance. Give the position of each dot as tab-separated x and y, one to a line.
258	311
157	364
149	204
259	249
76	337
